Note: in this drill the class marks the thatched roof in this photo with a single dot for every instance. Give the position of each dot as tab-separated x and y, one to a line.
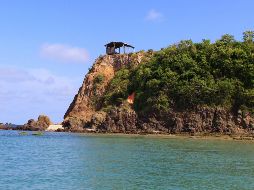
118	45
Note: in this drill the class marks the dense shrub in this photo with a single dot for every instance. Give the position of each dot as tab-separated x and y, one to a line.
99	79
188	74
117	89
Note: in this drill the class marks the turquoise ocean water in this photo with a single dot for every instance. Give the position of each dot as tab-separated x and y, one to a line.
72	161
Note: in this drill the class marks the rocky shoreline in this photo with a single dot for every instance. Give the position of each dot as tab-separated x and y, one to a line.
244	135
204	122
156	134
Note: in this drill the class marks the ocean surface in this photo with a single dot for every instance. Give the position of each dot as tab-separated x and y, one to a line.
62	161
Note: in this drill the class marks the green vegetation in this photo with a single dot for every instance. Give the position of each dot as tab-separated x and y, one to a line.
188	74
23	133
38	133
99	79
117	91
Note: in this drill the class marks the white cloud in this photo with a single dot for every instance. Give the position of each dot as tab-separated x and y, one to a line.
65	53
14	75
26	93
154	15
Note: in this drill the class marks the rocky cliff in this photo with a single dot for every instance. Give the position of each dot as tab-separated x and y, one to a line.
202	120
86	103
86	112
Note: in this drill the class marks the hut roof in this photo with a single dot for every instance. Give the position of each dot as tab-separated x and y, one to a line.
118	45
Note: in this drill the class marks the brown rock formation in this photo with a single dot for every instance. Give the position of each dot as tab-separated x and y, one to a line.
94	85
120	120
41	124
202	120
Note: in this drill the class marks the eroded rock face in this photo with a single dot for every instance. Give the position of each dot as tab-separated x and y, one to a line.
119	120
84	105
97	120
74	124
201	120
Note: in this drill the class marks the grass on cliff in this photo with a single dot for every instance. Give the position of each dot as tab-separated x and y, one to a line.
188	74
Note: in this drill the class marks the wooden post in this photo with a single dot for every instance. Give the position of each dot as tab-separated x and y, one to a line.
124	49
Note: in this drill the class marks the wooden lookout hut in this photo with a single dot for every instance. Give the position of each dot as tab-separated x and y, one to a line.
115	48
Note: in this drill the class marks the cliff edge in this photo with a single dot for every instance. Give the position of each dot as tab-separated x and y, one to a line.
87	101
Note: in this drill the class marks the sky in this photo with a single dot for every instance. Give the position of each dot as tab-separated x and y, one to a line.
47	47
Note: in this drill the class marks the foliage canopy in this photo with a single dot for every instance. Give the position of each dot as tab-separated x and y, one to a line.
188	74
